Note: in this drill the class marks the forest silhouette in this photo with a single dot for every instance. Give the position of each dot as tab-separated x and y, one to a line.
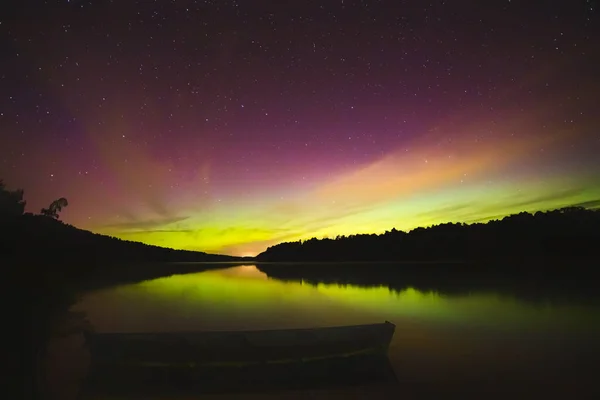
571	232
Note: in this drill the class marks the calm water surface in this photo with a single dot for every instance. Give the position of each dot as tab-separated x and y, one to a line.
442	342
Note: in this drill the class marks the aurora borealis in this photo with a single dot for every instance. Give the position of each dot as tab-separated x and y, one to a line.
229	126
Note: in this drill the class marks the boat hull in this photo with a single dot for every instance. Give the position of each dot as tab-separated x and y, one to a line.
240	348
213	361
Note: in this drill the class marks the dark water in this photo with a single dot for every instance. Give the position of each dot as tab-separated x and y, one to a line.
475	343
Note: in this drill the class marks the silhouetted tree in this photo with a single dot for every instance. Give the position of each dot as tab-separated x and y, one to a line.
55	207
11	202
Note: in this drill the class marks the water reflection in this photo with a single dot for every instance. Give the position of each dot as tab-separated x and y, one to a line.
246	298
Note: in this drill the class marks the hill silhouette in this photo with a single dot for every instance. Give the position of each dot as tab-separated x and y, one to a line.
26	237
57	241
565	233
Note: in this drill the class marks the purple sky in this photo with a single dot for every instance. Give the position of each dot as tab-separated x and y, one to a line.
187	123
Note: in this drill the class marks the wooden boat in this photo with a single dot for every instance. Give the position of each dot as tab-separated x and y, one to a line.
238	349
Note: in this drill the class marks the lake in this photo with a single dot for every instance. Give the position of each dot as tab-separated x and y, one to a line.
461	343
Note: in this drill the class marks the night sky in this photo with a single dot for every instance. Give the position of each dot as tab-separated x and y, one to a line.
229	126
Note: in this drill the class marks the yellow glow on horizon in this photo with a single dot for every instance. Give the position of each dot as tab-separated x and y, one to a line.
459	181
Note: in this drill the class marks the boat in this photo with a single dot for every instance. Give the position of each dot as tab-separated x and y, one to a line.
211	361
239	348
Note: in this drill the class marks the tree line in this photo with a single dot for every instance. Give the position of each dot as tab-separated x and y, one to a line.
572	232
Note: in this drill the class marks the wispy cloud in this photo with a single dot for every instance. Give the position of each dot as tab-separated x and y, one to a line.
475	211
592	204
147	225
156	231
556	196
